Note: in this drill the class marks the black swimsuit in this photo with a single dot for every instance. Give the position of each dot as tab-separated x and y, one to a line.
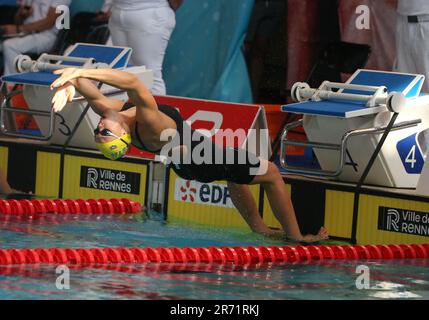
237	173
167	110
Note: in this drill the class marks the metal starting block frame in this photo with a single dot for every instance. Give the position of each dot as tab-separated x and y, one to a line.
341	118
24	63
37	76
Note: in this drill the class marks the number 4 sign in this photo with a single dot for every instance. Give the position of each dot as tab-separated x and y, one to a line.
410	154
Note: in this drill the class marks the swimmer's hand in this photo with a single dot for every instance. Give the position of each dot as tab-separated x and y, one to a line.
66	75
63	95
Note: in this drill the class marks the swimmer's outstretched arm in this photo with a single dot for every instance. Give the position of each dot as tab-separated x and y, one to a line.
136	90
147	114
98	102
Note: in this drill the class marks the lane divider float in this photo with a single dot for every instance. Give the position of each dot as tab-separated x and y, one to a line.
217	255
60	206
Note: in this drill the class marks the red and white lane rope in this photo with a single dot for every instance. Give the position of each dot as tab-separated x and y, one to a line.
79	206
218	255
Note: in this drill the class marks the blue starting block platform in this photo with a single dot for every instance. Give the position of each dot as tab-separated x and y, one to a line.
408	84
112	57
344	127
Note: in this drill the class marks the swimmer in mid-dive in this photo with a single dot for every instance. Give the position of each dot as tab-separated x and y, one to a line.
142	123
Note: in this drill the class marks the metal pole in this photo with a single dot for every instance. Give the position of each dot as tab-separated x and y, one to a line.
365	174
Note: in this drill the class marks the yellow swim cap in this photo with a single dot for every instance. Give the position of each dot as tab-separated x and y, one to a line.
115	149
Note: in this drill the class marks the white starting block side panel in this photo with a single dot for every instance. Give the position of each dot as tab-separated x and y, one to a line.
400	161
39	98
402	157
423	183
407	149
356	158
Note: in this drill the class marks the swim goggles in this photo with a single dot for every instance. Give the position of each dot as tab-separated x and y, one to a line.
116	148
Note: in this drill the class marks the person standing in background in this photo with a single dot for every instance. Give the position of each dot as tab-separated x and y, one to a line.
105	11
265	23
35	21
8	12
145	26
84	22
412	38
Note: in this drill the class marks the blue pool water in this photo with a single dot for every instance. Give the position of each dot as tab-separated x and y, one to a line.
407	279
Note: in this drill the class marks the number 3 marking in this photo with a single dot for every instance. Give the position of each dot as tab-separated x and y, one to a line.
65	130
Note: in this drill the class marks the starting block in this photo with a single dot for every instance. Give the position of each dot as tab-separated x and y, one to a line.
36	78
345	121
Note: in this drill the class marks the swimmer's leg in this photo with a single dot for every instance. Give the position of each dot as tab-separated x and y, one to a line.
281	204
243	200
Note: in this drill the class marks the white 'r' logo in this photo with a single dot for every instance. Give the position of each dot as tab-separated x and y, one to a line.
392	219
92	178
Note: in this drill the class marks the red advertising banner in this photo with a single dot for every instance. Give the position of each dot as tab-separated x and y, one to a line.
209	115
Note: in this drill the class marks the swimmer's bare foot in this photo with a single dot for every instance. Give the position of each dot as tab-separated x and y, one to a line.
17	191
19	195
275	234
310	238
270	233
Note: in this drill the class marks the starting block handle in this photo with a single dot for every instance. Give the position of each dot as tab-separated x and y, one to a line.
338	85
341	148
394	101
50	57
24	63
40	66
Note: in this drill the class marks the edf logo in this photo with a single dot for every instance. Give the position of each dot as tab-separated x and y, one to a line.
202	193
214	194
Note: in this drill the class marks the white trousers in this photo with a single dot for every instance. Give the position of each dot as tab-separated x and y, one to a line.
34	43
412	48
147	32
